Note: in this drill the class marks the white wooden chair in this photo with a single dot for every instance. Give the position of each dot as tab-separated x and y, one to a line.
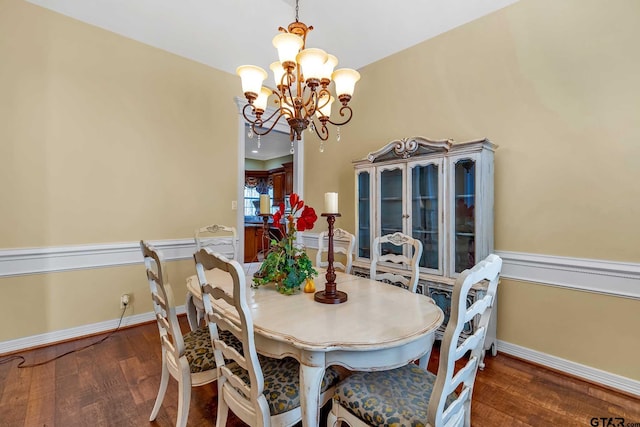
402	261
220	238
189	358
260	390
343	243
413	396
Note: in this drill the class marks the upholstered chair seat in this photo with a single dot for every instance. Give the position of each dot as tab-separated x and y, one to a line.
398	397
199	351
282	382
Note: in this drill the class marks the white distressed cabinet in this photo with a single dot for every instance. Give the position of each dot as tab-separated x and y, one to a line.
439	192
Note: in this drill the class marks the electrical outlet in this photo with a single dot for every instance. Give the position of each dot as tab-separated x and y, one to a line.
234	205
124	300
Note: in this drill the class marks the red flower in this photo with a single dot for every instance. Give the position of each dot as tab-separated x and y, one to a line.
293	200
306	219
276	218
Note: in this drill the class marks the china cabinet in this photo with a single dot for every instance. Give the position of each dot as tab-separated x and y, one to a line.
438	192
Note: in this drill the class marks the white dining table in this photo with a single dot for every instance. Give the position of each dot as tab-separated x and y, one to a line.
379	327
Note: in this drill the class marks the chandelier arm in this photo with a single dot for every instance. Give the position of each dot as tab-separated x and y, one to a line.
342	114
283	100
311	101
324	134
258	120
253	125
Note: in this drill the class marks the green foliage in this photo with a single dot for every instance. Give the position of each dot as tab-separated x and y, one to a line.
285	265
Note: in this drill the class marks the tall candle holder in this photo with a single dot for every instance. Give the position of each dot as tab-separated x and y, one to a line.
265	232
330	295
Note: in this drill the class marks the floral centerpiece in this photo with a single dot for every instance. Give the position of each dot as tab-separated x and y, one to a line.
287	264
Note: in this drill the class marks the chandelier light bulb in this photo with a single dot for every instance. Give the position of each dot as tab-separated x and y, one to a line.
312	62
288	46
261	102
278	72
324	106
345	80
252	78
327	69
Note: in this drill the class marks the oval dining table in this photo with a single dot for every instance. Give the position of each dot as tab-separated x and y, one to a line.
379	327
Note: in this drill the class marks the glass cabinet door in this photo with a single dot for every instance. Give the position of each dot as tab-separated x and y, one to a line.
464	214
391	211
363	216
425	212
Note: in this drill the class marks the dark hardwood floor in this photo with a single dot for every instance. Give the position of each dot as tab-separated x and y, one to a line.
115	383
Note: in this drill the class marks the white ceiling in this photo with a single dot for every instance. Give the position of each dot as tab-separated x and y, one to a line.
226	34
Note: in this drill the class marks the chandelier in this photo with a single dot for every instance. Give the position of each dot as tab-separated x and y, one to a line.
301	94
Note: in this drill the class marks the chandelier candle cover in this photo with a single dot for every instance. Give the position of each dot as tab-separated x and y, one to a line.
331	202
301	94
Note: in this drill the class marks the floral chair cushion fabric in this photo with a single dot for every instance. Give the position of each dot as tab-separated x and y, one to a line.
398	397
282	382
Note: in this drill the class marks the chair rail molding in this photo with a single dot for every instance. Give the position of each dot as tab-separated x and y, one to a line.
621	279
23	261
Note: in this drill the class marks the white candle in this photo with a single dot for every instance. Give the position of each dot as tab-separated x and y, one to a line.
331	202
265	202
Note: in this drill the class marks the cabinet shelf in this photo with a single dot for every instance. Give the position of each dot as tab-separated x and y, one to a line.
465	196
465	234
425	232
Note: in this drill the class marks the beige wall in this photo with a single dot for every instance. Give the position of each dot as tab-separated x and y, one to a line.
555	85
103	139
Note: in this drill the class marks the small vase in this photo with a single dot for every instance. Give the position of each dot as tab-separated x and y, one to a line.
310	286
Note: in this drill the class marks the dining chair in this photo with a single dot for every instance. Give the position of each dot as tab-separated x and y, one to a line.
260	390
220	238
343	243
188	358
410	395
401	260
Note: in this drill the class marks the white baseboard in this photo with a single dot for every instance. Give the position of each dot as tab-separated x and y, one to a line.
572	368
48	338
